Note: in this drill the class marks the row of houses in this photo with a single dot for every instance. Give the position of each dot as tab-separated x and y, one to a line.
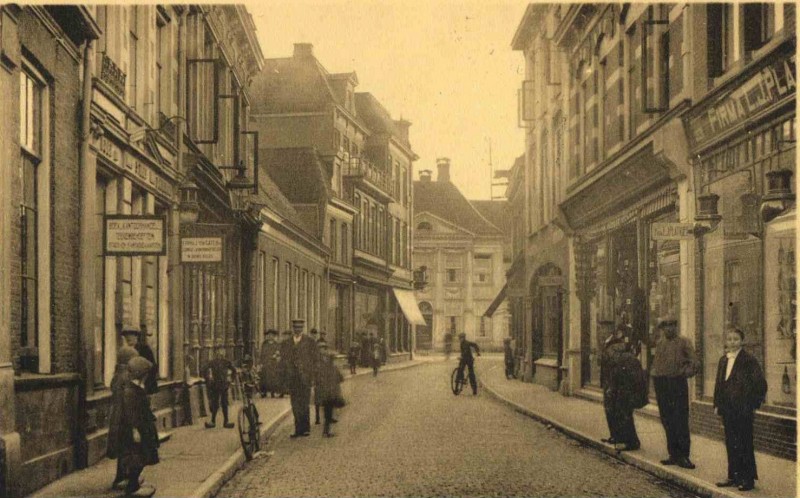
162	175
657	183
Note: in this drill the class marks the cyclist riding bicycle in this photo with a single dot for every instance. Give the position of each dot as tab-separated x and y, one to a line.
468	360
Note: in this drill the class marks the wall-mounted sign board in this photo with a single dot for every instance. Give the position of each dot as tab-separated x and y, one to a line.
134	235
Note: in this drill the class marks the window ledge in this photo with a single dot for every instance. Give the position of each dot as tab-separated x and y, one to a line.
35	382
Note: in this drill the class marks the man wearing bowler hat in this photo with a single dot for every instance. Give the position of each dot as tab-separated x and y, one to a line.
674	362
299	358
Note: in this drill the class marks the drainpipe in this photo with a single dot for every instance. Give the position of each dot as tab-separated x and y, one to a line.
88	183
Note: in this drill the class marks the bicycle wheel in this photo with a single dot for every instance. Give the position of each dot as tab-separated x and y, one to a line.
246	433
456	383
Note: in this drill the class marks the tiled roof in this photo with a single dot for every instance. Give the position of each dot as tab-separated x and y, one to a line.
443	199
298	173
274	197
497	213
291	84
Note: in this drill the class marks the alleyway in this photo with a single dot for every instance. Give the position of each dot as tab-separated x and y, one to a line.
393	440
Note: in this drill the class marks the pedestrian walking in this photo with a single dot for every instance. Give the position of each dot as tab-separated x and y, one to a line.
352	356
508	358
626	390
136	339
299	360
138	436
327	389
216	374
613	343
118	382
321	342
376	356
269	356
468	361
366	350
384	350
674	362
739	391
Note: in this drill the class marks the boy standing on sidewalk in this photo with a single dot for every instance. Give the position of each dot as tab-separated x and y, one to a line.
138	434
327	389
740	389
217	382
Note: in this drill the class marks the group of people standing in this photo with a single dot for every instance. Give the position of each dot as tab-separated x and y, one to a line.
738	392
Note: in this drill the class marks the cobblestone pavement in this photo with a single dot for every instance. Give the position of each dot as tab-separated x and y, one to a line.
405	434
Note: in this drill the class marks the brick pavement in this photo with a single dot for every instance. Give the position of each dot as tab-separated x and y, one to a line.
585	420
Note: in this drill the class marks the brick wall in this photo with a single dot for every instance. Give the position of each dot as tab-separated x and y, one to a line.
771	434
62	72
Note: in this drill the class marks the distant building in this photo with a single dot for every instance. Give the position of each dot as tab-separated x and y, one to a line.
466	256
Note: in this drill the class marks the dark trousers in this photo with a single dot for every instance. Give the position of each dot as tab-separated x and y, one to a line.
739	444
301	398
316	413
510	370
328	412
469	364
353	366
120	471
625	428
218	396
607	408
133	479
672	394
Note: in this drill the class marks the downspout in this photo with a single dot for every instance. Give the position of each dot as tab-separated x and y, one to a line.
88	182
176	277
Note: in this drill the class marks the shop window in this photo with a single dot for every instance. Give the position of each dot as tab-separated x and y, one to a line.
759	25
719	29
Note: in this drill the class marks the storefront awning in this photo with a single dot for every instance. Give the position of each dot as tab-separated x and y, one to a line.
498	300
408	303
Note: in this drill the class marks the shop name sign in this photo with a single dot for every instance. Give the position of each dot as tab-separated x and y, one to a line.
768	86
148	176
201	250
134	235
672	231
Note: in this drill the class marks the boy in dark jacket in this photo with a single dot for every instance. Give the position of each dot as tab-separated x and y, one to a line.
352	356
327	390
217	382
138	436
118	381
508	358
739	390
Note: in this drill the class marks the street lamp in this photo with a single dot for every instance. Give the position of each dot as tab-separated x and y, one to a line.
779	195
420	277
189	207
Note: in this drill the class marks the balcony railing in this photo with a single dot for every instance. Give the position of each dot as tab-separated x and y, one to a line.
112	75
360	167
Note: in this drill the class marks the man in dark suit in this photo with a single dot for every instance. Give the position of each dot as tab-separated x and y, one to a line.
468	361
739	390
299	358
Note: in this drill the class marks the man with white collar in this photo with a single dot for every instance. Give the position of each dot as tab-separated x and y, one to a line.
739	390
299	358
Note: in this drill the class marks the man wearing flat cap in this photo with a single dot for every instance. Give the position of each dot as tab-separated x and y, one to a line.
674	362
299	358
134	338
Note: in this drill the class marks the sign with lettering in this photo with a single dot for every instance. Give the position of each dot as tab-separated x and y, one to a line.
770	85
672	231
134	235
109	150
201	250
147	175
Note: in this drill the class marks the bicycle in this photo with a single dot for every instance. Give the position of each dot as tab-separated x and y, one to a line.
248	417
458	379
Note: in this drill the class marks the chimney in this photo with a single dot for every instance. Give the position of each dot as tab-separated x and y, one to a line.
443	167
303	50
402	126
425	175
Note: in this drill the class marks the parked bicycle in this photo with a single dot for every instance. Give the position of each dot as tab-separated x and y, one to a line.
248	415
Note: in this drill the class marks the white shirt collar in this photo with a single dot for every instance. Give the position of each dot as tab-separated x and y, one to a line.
732	356
297	338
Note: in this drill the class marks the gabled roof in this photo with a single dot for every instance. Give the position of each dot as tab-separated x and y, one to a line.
444	200
274	197
291	84
377	118
497	213
298	173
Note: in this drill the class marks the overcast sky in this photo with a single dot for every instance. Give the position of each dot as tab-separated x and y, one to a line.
445	65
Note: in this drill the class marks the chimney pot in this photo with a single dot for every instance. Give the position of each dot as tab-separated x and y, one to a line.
425	175
303	50
443	167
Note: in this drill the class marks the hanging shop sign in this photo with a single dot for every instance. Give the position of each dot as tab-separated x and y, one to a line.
672	231
134	235
201	250
771	85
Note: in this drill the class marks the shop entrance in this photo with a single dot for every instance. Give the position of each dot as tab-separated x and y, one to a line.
425	332
547	313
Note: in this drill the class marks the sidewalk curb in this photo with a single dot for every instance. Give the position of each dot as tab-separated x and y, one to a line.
689	483
213	483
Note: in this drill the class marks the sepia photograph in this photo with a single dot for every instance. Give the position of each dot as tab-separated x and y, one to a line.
406	248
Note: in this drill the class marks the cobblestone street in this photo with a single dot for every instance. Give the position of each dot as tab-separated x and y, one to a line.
426	442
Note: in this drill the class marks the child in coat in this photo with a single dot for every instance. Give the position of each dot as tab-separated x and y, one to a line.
352	356
138	435
118	381
328	391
